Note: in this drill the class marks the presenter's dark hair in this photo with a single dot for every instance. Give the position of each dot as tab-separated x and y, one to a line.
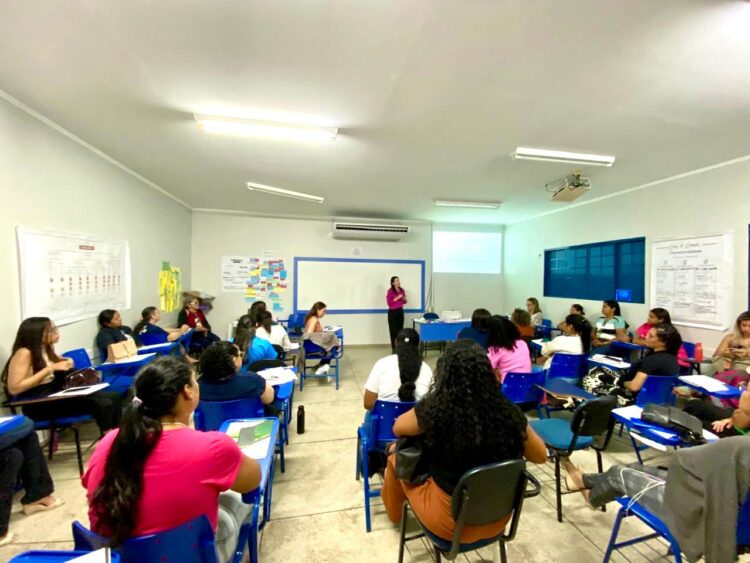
145	319
612	304
502	333
115	502
105	317
409	363
317	307
32	333
661	314
582	328
480	320
245	333
393	278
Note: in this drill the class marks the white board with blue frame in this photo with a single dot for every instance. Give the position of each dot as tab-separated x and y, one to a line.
355	286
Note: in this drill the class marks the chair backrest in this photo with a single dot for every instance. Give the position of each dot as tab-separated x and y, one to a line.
620	349
191	542
260	365
80	358
296	320
571	366
489	493
547	323
382	417
313	350
522	387
689	348
657	389
594	417
210	415
151	339
431	316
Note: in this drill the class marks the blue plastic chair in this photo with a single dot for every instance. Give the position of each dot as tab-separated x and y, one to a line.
375	433
570	366
522	388
314	352
284	398
80	358
210	415
295	324
657	389
38	556
191	542
591	418
431	317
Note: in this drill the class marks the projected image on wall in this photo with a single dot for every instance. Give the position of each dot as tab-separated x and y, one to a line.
466	253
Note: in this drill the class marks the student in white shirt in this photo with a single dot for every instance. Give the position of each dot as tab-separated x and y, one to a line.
402	376
575	339
274	333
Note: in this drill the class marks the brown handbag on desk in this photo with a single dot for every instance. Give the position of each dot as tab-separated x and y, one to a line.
81	378
121	350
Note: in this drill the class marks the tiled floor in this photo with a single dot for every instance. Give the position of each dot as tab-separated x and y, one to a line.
318	513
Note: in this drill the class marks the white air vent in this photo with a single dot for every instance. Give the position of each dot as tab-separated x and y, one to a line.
368	231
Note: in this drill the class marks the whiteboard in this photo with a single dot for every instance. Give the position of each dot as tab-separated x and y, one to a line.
692	277
356	286
68	276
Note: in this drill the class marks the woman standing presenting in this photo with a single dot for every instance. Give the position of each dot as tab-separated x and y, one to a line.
396	298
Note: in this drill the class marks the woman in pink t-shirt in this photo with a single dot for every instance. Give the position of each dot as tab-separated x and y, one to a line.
155	472
505	348
656	317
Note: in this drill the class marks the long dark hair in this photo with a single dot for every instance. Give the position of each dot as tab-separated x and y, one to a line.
583	330
145	319
466	419
480	320
502	334
612	304
217	361
31	335
662	314
157	387
409	363
313	312
393	278
265	319
255	311
245	333
670	336
105	317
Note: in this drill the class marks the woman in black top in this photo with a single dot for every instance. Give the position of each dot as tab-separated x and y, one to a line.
467	422
111	331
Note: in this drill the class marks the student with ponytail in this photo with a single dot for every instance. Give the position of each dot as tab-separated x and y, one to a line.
575	339
402	376
254	349
155	472
147	332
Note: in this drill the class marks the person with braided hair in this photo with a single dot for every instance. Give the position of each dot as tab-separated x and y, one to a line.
466	422
402	376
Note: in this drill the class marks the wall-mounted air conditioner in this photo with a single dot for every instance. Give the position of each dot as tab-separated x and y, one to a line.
368	231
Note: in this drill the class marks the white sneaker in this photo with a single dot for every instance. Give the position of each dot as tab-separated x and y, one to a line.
324	369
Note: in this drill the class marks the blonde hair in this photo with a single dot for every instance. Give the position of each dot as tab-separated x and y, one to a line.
535	304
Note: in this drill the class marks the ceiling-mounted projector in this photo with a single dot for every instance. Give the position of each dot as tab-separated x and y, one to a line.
569	188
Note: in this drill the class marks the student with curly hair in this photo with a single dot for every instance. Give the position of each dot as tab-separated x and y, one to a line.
221	379
467	422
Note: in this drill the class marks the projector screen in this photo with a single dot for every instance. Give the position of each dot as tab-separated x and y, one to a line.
466	253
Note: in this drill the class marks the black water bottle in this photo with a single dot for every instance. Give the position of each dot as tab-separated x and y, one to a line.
300	419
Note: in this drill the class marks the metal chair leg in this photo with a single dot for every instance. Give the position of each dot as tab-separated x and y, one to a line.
558	491
402	541
78	450
50	444
503	554
438	558
613	537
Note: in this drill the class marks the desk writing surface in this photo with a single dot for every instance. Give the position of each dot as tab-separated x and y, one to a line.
264	452
60	395
561	388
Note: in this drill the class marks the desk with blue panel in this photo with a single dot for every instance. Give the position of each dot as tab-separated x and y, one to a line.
438	331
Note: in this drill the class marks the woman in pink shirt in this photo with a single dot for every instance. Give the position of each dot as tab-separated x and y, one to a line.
396	299
657	317
505	348
155	472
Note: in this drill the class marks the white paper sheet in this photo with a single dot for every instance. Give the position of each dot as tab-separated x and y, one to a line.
602	359
80	391
98	556
704	382
278	375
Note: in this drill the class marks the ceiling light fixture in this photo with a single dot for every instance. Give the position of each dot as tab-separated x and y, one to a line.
265	128
284	193
526	153
467	204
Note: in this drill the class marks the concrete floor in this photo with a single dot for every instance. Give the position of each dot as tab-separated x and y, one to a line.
318	505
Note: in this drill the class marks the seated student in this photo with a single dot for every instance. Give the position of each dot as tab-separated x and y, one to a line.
221	379
314	332
192	316
575	309
480	321
506	350
734	350
254	349
532	306
21	457
155	472
722	421
111	331
664	342
698	498
609	326
273	333
575	339
522	320
657	316
255	310
152	332
458	439
34	369
402	376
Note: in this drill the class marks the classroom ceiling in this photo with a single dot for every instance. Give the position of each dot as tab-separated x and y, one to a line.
430	96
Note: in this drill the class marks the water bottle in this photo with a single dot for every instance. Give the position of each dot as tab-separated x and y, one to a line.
300	419
698	352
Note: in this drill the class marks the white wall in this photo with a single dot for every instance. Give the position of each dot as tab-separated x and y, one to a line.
709	202
215	235
49	181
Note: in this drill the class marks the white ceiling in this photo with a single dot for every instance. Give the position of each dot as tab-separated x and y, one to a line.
431	95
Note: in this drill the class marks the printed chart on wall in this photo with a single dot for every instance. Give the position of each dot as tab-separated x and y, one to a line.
70	276
262	278
692	278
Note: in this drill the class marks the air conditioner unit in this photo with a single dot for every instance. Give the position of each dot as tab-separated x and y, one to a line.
568	188
368	231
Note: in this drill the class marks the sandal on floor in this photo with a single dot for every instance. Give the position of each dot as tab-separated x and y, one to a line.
30	509
8	539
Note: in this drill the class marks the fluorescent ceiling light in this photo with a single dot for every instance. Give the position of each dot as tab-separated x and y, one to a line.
285	193
266	129
526	153
470	204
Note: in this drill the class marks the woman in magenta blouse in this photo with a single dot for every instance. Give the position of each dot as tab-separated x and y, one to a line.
396	298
